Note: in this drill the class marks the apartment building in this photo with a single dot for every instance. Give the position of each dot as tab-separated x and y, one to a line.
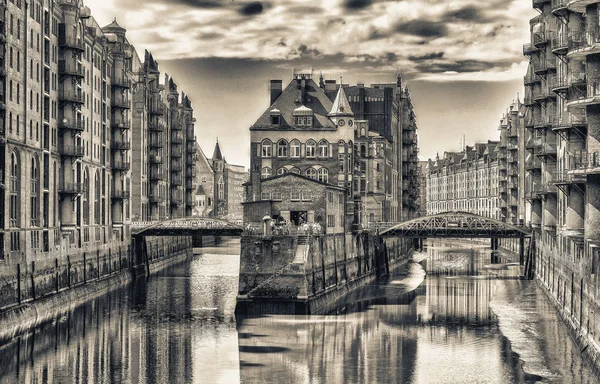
563	111
348	136
74	124
466	181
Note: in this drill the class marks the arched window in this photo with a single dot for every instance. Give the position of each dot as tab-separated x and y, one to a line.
282	148
15	189
341	146
282	171
295	170
323	148
266	172
97	189
294	148
312	173
86	198
311	148
266	148
323	175
221	188
35	192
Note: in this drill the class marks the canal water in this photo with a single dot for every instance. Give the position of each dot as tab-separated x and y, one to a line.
448	316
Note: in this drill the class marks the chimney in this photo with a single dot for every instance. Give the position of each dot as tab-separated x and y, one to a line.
303	89
276	90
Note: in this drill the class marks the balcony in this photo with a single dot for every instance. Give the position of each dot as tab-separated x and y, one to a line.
544	188
543	66
71	125
533	164
155	159
176	167
591	96
177	152
177	139
583	43
120	195
176	198
155	199
156	109
120	125
539	4
543	149
72	188
540	39
529	49
176	181
156	174
69	42
579	5
584	163
558	84
120	144
528	98
72	150
121	82
121	101
565	178
530	79
569	121
71	69
155	142
75	97
559	7
120	166
156	127
560	45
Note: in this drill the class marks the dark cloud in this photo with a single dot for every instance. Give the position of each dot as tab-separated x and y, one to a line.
462	66
252	9
428	56
304	51
467	14
210	35
357	4
423	28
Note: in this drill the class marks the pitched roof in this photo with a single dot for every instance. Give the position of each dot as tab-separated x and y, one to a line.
114	26
341	106
292	174
200	191
217	155
290	99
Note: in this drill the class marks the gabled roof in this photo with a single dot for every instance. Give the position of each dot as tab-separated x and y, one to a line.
341	106
290	99
200	191
202	157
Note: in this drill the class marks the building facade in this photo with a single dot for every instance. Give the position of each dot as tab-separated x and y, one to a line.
466	181
70	104
219	186
563	119
340	135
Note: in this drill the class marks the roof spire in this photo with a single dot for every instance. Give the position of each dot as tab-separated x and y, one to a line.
341	106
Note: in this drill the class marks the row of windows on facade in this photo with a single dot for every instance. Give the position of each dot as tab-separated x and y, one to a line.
292	149
34	192
322	174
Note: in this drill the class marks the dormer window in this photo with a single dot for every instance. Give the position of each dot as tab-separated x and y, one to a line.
303	116
275	116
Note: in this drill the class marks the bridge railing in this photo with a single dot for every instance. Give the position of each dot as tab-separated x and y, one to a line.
256	229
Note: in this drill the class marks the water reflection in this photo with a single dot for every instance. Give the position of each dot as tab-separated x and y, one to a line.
461	321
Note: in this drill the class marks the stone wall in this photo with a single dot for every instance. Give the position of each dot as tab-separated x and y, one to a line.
26	282
290	274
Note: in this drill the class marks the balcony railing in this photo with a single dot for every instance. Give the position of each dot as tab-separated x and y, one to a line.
120	102
121	125
540	38
121	195
71	96
121	82
156	174
120	145
529	49
155	159
570	120
156	127
533	164
177	139
565	177
155	142
177	180
72	150
74	125
71	43
176	167
71	68
156	199
72	188
559	45
580	40
559	5
118	165
156	109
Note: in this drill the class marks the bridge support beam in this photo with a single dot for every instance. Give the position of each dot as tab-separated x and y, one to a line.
139	256
521	251
494	247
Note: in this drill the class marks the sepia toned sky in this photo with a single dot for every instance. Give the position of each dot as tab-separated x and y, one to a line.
461	59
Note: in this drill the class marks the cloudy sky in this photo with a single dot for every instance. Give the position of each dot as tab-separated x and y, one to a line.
462	59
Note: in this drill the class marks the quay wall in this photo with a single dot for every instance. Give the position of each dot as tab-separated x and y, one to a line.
300	275
31	292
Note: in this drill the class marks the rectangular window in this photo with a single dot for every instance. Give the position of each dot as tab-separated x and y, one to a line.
265	196
330	221
276	196
306	196
295	196
342	163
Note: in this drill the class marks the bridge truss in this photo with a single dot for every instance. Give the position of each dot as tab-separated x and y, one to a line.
187	226
455	224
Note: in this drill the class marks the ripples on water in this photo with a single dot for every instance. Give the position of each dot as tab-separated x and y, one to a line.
461	322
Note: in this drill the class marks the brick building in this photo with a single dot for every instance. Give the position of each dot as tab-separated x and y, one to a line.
74	125
320	132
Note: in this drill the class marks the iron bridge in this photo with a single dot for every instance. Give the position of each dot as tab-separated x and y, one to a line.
186	226
456	224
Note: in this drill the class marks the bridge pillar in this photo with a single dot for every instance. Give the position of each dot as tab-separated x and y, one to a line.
494	247
138	266
521	250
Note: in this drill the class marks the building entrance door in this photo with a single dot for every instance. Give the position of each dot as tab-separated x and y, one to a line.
298	217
